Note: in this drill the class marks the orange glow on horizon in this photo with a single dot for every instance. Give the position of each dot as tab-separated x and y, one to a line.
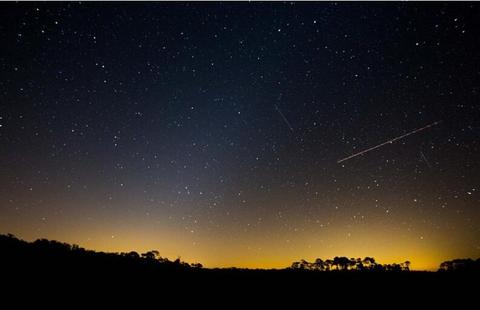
276	249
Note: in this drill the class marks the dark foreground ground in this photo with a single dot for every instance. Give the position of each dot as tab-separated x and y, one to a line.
49	272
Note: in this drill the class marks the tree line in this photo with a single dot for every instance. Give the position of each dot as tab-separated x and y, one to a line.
341	263
464	264
45	252
54	250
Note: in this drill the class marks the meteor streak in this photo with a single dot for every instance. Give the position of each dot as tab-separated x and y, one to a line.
389	141
425	159
284	118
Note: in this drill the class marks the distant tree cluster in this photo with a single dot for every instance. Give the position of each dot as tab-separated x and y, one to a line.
349	264
51	249
467	264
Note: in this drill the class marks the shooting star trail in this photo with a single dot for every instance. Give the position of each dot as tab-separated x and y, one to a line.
425	159
389	141
284	118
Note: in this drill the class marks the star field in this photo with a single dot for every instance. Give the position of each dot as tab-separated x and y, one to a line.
212	131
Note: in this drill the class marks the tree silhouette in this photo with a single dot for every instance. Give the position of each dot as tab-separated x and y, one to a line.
150	254
405	265
319	264
341	263
369	263
132	255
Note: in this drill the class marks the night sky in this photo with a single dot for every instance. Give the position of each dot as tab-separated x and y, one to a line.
212	131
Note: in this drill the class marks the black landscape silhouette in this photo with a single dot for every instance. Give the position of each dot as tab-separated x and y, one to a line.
65	265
